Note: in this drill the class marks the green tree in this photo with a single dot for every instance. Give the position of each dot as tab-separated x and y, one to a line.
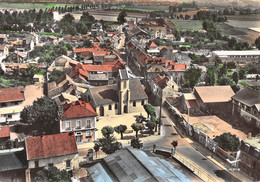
228	142
257	43
55	75
137	127
42	116
149	109
174	143
67	18
192	76
231	65
225	80
96	148
156	121
87	44
136	143
235	77
108	143
223	70
151	126
120	129
122	17
52	175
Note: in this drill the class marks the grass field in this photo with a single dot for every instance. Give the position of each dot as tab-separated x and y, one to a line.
188	24
229	30
7	81
31	5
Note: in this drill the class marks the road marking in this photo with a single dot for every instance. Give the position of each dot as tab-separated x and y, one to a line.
188	140
216	162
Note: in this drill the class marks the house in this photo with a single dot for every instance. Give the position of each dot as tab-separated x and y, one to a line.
97	29
4	50
65	98
10	100
162	87
59	150
152	49
3	38
189	103
4	135
126	96
81	118
237	54
249	160
130	164
246	104
16	57
215	99
63	64
157	31
97	74
13	166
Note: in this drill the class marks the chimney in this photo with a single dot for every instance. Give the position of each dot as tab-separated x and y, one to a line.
249	136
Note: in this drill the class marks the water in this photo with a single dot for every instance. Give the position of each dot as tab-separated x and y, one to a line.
244	21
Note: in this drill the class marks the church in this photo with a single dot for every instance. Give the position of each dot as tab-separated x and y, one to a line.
126	96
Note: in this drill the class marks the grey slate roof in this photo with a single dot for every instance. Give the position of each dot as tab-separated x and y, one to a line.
12	161
131	164
247	96
108	94
123	74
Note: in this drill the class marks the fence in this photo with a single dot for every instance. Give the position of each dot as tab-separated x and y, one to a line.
186	162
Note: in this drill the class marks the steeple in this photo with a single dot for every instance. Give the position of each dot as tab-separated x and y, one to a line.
123	91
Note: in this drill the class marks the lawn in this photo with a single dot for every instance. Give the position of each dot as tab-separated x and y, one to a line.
32	5
188	24
7	81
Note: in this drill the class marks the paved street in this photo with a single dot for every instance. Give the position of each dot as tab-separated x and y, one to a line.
185	148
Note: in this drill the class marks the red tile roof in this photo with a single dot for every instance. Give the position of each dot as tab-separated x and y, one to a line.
161	81
20	54
11	94
82	70
191	103
171	65
131	44
113	32
4	132
95	49
50	145
152	44
78	109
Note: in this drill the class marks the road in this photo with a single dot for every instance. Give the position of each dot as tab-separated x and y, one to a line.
185	148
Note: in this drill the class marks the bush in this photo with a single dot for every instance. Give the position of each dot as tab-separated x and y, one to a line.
228	142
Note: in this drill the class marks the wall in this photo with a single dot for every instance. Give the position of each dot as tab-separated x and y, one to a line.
139	106
59	162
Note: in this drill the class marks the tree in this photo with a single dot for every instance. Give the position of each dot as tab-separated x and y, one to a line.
121	17
235	77
225	80
55	75
87	44
151	126
232	42
149	109
120	129
136	143
68	18
156	121
174	143
42	116
136	127
192	76
108	143
228	142
257	43
96	148
231	65
52	175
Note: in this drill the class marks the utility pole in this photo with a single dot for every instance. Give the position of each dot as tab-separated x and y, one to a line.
160	114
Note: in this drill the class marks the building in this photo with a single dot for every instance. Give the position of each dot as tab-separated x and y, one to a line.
126	96
130	164
249	161
81	118
59	150
246	104
4	50
163	87
16	57
10	100
13	166
189	103
153	49
4	135
157	32
214	99
237	54
3	38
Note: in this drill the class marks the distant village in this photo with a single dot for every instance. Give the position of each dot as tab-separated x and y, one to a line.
123	101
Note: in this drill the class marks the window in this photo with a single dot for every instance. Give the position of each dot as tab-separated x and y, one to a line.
68	165
124	84
110	107
3	104
36	164
16	103
88	125
134	104
173	87
9	116
68	125
88	134
115	106
142	102
78	124
50	165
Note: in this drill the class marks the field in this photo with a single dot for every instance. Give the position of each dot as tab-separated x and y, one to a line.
7	81
31	5
229	30
143	8
188	24
245	17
